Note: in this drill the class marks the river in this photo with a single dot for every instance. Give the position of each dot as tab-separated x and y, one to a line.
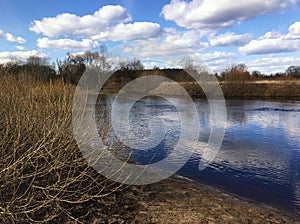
260	155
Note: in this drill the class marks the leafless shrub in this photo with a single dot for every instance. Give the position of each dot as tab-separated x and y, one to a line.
42	173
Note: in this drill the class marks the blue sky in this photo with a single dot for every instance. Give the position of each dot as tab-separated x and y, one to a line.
263	34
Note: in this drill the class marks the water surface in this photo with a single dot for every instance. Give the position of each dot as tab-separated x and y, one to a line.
260	155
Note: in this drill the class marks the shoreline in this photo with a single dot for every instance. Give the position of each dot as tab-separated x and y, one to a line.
181	200
263	89
238	197
174	200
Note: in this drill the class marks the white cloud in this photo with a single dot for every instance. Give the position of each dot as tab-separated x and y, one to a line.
217	55
155	48
7	56
72	25
230	39
270	46
294	30
125	32
270	35
273	42
170	43
189	39
11	38
20	48
106	24
272	64
218	60
67	44
214	14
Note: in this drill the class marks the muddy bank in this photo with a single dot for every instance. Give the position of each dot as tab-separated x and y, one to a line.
181	201
175	200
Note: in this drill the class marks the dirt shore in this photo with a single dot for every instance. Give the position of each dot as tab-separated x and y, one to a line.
177	200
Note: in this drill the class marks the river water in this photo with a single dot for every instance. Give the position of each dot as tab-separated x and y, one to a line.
260	155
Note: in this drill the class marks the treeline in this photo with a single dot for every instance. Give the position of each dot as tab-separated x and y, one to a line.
71	69
34	67
240	73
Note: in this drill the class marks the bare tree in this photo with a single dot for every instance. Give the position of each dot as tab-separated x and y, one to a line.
293	71
135	64
188	63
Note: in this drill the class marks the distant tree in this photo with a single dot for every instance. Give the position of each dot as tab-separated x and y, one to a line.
35	67
39	67
134	64
90	58
102	61
188	63
13	67
256	75
121	63
236	73
293	71
72	68
241	67
37	61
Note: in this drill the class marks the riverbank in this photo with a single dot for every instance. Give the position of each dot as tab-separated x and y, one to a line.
264	89
178	200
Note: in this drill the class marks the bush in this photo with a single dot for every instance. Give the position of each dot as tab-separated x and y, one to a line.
43	176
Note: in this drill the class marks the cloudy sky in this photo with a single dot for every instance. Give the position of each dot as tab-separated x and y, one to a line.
263	34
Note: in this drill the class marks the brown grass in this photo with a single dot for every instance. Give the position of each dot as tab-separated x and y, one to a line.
43	176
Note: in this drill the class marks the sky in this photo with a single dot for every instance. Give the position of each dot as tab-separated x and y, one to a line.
265	35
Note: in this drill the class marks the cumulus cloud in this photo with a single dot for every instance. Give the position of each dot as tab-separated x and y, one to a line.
217	61
217	55
171	43
72	25
20	48
189	39
270	35
11	38
7	56
270	46
215	14
125	32
230	39
106	24
294	30
273	42
272	64
153	48
67	44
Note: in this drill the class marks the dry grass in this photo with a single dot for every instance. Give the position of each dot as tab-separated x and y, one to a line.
42	173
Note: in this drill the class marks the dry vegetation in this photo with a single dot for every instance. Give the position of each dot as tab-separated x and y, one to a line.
43	177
